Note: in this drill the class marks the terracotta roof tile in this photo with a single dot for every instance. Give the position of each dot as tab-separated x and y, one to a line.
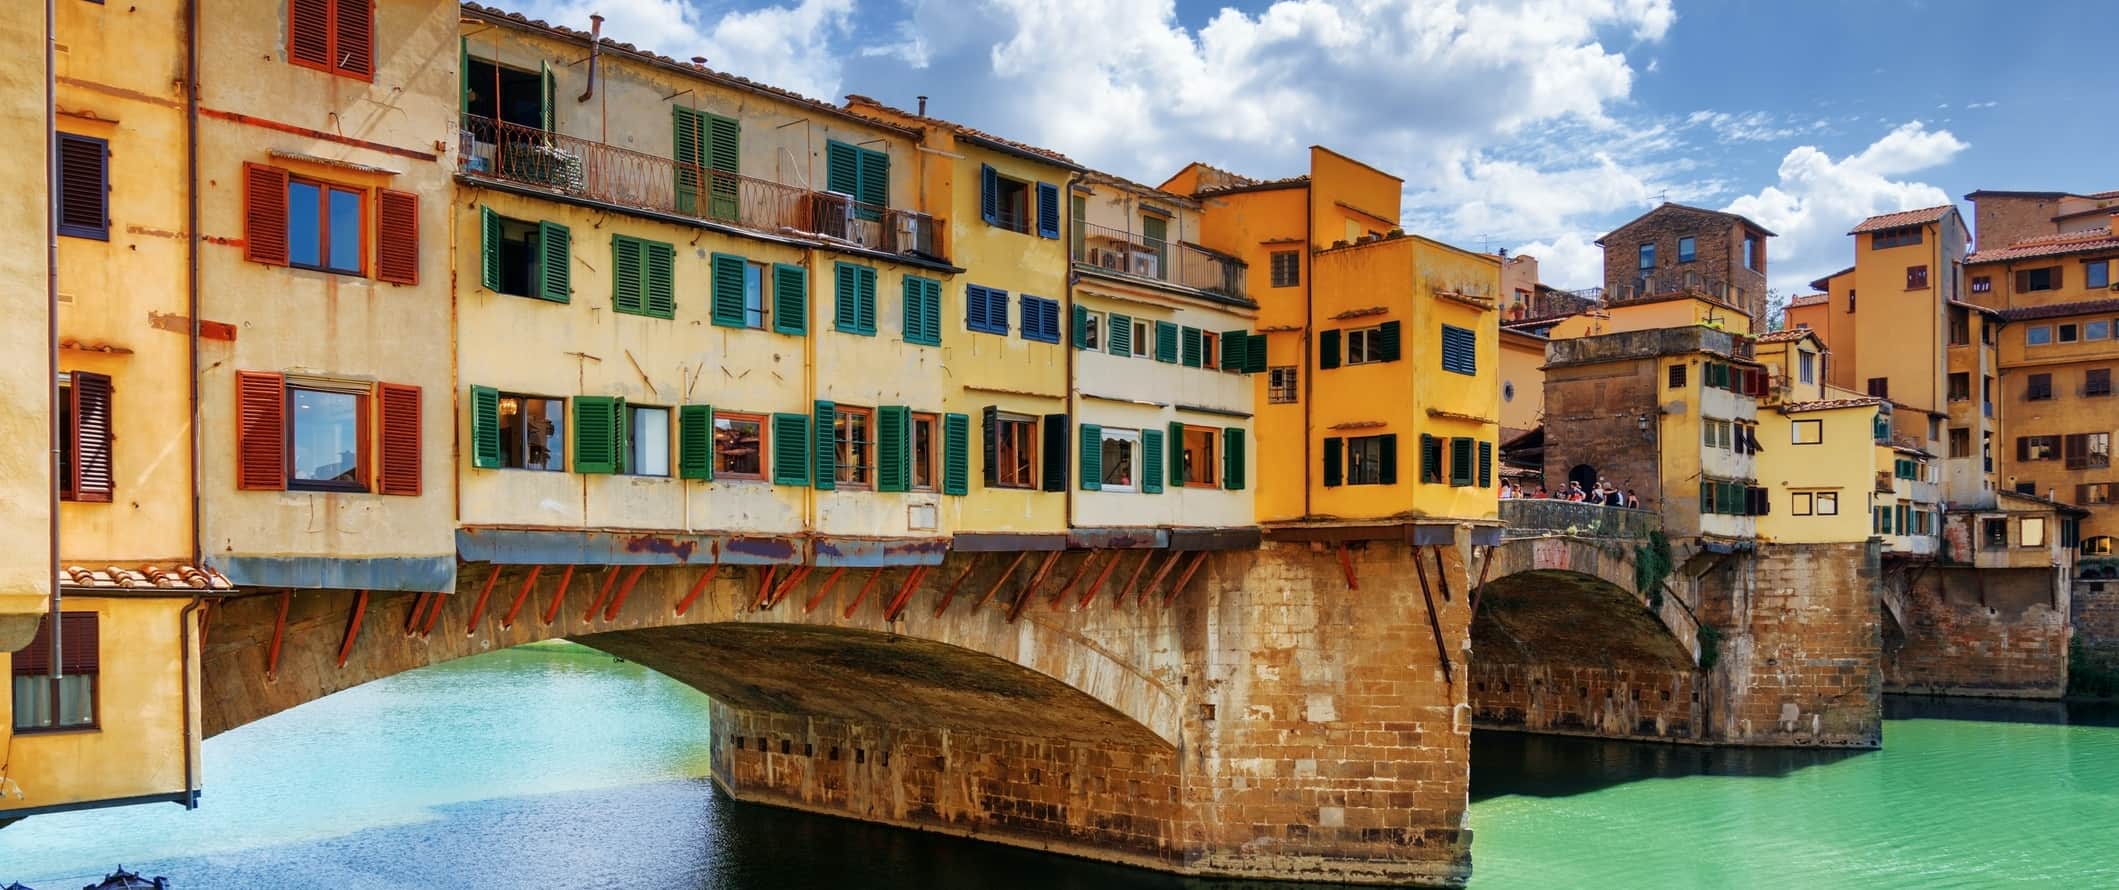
971	133
1809	300
145	577
1785	335
2049	245
1902	219
1828	404
1258	185
2059	310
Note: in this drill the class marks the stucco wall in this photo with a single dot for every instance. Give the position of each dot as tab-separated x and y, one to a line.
25	383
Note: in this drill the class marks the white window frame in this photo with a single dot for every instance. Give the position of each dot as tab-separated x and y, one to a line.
1093	324
1362	336
635	458
1796	428
1131	439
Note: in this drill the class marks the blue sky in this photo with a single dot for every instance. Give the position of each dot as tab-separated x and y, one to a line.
1534	125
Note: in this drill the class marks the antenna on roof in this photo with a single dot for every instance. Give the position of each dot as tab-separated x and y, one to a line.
923	106
1662	196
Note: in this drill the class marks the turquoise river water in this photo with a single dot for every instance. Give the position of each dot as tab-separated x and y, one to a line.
556	766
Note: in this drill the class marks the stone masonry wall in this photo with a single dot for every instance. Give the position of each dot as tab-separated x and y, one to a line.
1718	250
1986	632
1606	701
1798	661
2094	608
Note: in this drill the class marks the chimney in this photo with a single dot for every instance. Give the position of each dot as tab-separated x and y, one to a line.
923	106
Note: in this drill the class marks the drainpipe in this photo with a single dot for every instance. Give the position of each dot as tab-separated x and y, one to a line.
191	798
51	317
1073	384
1309	338
595	49
191	271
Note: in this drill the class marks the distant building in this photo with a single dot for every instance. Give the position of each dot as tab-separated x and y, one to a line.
1675	249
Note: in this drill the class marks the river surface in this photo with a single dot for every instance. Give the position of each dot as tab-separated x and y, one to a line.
555	766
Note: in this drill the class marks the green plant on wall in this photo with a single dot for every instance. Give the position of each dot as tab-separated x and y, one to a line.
1651	567
1710	647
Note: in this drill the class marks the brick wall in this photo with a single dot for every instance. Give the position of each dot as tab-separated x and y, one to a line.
1606	701
1592	416
1798	660
1718	250
1991	632
2094	608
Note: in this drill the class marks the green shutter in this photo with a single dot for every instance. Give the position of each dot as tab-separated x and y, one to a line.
659	281
1232	459
1190	357
1151	461
956	454
489	249
790	299
1387	458
1118	336
599	434
1166	342
1386	342
825	472
865	300
790	449
688	157
1486	465
875	182
1081	326
1092	457
628	263
1254	360
893	448
555	263
1233	350
923	311
724	158
463	76
842	168
695	442
728	290
1461	471
1328	349
846	298
1176	471
485	427
1430	458
544	109
1334	461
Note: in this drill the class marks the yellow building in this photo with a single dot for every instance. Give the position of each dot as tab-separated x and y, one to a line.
25	382
1671	310
1146	294
1906	272
1522	382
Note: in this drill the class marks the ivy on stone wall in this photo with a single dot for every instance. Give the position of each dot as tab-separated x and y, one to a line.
1710	647
1651	565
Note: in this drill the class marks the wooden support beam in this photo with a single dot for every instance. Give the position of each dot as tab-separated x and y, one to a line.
1198	556
559	596
950	593
698	587
279	632
433	614
603	592
1157	579
1441	572
419	610
765	588
897	604
1036	581
1434	622
1080	569
624	590
822	590
1485	565
1346	567
205	621
478	609
874	575
794	580
353	627
1089	596
515	608
997	582
1118	601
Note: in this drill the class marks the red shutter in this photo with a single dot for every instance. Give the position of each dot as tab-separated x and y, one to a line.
309	32
261	431
353	27
79	646
399	417
90	405
265	214
397	237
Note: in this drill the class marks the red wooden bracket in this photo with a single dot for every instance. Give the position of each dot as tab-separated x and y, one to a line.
698	587
279	631
353	627
1036	581
823	589
897	603
997	582
624	590
874	575
1157	579
794	580
1441	573
602	593
1089	596
205	621
559	596
950	593
1433	622
508	620
765	588
1346	567
1198	557
433	614
1118	600
419	610
1080	569
478	609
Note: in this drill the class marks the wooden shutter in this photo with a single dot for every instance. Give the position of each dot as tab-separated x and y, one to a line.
1232	350
727	288
1486	465
1387	459
695	442
1176	474
956	454
1151	461
396	237
790	299
265	214
1386	342
398	425
261	431
923	311
1328	349
1334	461
1055	456
80	644
1080	325
628	262
599	434
1118	336
555	262
865	300
1254	360
825	471
84	187
1190	356
975	314
1166	342
1048	210
997	310
989	194
893	448
990	422
89	403
790	449
546	87
1232	458
1092	436
353	38
845	305
1459	350
309	32
1430	458
875	180
490	236
659	283
687	152
485	428
724	156
842	168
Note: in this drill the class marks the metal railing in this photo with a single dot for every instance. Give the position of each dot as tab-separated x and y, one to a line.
1135	254
1667	283
593	170
1537	517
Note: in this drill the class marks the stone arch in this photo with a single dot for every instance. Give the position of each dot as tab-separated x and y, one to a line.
1583	474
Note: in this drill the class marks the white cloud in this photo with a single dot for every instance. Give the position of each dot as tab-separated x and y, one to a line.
1817	199
1571	261
788	46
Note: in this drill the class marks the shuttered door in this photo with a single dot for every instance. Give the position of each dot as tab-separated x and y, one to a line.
485	428
893	448
695	442
956	454
90	404
875	183
84	187
724	156
398	472
790	449
353	33
790	299
265	214
687	151
1151	461
1334	461
826	469
396	237
842	168
555	262
1092	444
261	431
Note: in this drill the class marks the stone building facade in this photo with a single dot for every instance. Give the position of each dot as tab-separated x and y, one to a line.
1678	249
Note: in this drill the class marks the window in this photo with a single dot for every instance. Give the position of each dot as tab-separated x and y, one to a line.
2038	388
2031	280
1686	249
923	311
926	444
1801	503
44	704
1880	387
1814	503
2094	493
1371	345
2037	335
1993	533
1012	461
1807	432
2088	450
83	196
647	441
2097	274
323	227
2067	333
1754	253
1166	336
1040	319
1827	503
1286	268
1807	362
854	299
2100	329
860	173
1140	340
1371	460
1850	300
1883	519
1647	257
1005	202
85	472
1092	326
2030	531
2097	382
643	277
1677	376
1280	385
1717	434
2030	448
1960	326
511	96
1199	466
986	310
524	259
853	444
1459	350
738	292
1982	284
1960	386
739	445
1118	459
1882	428
1209	350
332	35
1960	442
754	276
1889	238
1916	277
1905	469
532	432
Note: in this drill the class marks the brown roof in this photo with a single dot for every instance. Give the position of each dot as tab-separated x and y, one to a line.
1670	204
1137	188
2049	245
1902	218
1829	404
145	577
1809	300
1825	284
1975	307
971	133
2060	310
1785	335
1259	186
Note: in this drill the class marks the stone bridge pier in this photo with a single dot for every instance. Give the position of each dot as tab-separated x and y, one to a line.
1295	711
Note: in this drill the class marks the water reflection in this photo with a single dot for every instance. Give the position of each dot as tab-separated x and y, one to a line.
1506	763
2001	710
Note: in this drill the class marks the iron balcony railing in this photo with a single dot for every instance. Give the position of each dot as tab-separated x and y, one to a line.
1537	517
1137	255
595	171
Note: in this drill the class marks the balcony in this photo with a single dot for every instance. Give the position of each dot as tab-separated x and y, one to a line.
1138	256
579	168
1673	283
1538	517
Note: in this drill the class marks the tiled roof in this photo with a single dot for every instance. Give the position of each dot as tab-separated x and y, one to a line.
2058	310
1825	282
145	577
2049	245
1809	300
972	133
1258	185
1785	335
1828	404
2099	196
1902	219
1094	176
1674	205
1975	307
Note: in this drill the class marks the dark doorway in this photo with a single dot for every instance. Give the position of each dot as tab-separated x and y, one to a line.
1584	475
506	94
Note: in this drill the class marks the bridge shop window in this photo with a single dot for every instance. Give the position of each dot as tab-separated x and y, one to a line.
1372	460
1011	450
322	226
84	437
532	432
738	292
320	434
1197	456
926	444
1110	459
524	259
647	437
1814	503
739	446
45	704
853	446
337	36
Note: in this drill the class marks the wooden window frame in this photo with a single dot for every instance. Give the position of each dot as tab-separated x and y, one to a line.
1209	350
932	422
1133	441
323	224
1212	463
1801	503
1917	277
364	436
559	458
1284	268
846	474
1025	443
1283	385
72	145
1143	334
765	431
94	673
1692	254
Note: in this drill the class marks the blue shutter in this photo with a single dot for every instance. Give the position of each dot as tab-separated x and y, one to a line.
1459	350
1048	210
990	194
